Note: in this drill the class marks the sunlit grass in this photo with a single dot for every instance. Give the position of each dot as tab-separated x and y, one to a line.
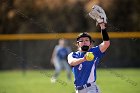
109	81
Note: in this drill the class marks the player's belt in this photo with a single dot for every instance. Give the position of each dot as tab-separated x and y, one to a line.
82	87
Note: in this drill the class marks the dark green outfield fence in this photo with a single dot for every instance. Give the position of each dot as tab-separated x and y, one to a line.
26	52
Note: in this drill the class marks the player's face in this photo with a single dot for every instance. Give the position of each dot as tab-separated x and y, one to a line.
84	41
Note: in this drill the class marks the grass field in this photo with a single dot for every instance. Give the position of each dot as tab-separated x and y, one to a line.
109	81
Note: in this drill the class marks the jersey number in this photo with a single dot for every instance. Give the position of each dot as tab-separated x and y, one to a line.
80	67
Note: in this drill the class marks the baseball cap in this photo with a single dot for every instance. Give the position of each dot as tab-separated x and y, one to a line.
85	34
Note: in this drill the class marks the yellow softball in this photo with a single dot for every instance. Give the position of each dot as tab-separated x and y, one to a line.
89	56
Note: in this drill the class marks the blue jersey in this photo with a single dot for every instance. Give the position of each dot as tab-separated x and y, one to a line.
86	71
62	52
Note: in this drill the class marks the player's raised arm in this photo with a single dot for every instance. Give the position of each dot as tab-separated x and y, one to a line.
106	42
99	15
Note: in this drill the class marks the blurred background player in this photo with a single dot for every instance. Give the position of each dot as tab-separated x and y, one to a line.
85	71
59	59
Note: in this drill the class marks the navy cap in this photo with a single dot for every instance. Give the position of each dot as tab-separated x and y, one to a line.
85	34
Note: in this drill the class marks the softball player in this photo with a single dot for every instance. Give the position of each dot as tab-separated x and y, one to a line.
85	71
59	59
